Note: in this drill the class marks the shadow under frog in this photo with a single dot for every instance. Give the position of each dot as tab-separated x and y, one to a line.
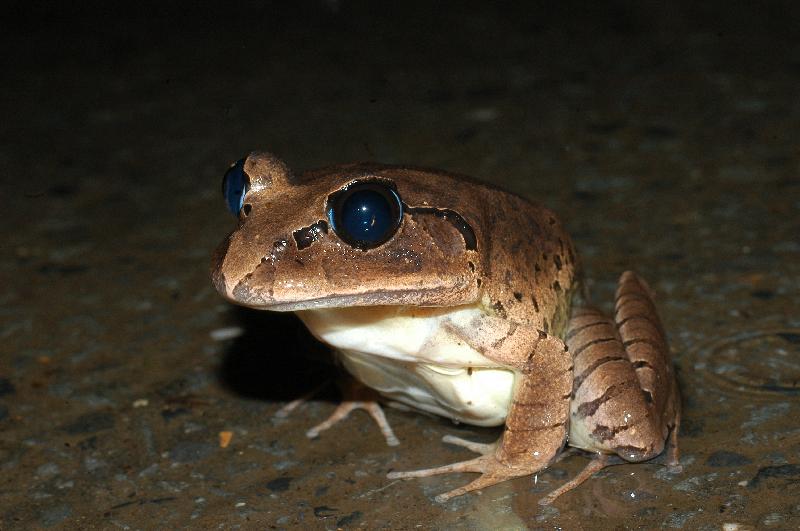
293	362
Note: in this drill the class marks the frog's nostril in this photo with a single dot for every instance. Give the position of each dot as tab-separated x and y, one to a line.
234	187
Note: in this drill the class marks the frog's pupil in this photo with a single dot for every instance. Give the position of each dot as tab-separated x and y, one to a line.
234	187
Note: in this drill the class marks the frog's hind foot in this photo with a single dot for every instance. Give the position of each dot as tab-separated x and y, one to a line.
600	462
344	409
595	465
491	471
673	453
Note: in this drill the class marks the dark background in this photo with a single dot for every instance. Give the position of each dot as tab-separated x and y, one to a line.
664	134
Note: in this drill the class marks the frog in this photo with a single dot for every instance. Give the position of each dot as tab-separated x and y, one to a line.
453	297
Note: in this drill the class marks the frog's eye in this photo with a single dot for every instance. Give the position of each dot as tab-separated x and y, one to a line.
365	214
234	187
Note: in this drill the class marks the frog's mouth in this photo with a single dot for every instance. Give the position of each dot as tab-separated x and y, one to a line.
383	298
265	293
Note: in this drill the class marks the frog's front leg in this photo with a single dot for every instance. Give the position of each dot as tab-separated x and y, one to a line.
536	426
355	395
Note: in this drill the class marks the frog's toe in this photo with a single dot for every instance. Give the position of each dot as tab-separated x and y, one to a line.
478	448
472	465
675	468
595	465
287	410
485	480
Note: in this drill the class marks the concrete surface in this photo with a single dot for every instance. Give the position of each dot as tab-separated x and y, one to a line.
666	135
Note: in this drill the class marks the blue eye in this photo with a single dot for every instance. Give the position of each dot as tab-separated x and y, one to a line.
365	214
234	187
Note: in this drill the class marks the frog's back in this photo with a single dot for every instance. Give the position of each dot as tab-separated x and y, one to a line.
530	270
533	263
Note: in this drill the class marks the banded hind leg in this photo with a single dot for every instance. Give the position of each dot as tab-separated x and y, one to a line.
625	397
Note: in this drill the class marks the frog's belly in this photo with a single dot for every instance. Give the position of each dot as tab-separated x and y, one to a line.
412	355
478	396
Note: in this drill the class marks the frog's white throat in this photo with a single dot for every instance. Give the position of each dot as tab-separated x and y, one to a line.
414	356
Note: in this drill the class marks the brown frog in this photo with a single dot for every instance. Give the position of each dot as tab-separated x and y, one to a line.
456	298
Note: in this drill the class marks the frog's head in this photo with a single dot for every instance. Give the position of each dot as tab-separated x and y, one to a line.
354	235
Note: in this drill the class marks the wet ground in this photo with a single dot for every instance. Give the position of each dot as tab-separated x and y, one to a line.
133	397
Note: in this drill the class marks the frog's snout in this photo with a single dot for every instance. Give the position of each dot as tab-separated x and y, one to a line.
217	259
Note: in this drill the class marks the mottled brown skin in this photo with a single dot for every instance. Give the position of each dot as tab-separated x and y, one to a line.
513	258
259	265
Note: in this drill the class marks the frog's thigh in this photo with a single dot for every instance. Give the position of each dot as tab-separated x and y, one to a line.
624	391
536	426
537	418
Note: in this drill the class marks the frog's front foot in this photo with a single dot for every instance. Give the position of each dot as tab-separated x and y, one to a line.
343	410
356	396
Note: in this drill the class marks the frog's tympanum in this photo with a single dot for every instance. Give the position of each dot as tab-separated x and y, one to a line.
455	298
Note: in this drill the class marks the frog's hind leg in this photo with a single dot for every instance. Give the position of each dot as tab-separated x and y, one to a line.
625	398
647	349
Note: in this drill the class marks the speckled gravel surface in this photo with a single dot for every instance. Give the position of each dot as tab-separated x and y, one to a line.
133	397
